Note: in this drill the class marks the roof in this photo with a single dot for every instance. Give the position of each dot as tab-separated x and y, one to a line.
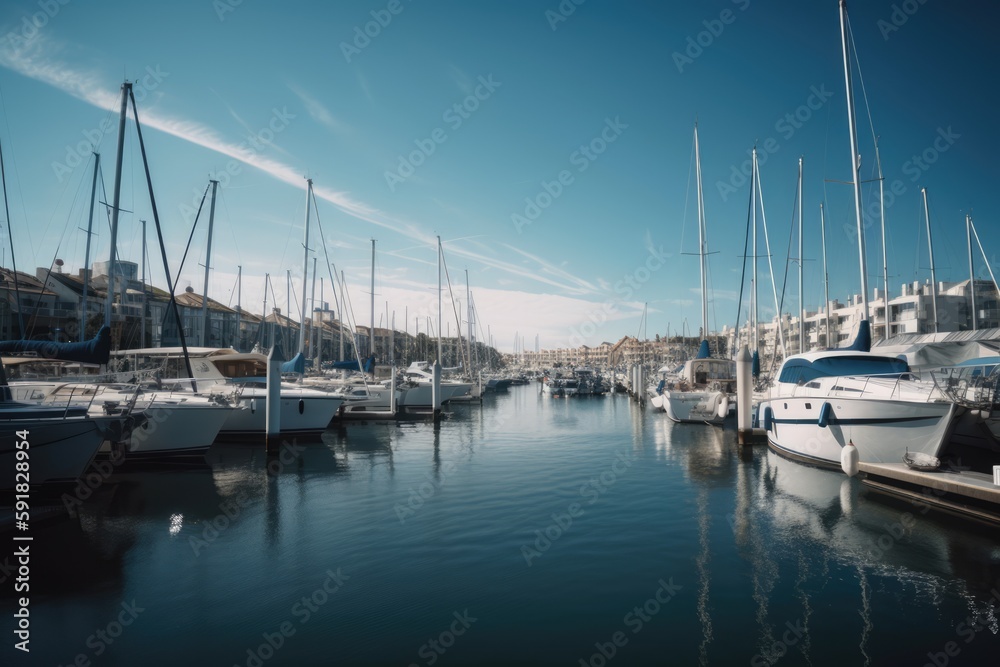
25	282
193	300
73	283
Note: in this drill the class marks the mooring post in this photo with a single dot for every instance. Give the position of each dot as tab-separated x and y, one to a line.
272	415
436	392
744	395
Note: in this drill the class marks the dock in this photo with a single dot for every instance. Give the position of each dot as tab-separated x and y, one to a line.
964	492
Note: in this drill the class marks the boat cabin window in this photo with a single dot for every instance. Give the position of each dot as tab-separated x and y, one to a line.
240	368
800	371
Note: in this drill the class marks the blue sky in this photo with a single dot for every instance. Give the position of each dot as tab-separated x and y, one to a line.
452	118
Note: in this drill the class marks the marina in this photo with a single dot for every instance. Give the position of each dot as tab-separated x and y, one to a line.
238	429
558	523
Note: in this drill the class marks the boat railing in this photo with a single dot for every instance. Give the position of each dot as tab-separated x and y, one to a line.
973	387
890	386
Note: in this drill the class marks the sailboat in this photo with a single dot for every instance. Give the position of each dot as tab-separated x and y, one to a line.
701	392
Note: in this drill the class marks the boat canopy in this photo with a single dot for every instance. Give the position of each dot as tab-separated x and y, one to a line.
800	371
97	350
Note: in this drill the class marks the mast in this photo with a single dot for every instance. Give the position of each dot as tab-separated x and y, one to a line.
881	208
288	307
208	264
305	270
701	236
439	301
239	308
263	322
340	329
468	310
86	254
802	305
322	325
826	275
312	313
972	276
753	279
126	91
371	348
855	162
142	320
930	249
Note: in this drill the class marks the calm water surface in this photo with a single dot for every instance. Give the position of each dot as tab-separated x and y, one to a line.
530	530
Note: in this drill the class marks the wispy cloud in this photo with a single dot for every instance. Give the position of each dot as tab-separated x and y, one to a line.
317	111
33	61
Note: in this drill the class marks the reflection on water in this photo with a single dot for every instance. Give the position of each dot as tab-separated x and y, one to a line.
776	562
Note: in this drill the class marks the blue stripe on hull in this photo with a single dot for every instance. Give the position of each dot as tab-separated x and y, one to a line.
853	422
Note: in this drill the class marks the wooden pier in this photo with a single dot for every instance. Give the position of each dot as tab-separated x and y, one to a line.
971	494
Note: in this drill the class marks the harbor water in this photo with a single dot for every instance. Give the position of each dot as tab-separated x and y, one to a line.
529	530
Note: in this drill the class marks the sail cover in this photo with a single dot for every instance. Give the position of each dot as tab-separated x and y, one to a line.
297	364
354	365
97	350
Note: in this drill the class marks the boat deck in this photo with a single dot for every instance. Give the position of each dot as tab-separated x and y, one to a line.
964	492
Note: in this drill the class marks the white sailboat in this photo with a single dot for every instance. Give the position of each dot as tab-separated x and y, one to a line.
701	393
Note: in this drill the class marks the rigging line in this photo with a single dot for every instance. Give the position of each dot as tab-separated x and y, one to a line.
353	330
33	318
985	260
687	197
10	235
770	266
949	246
861	78
326	253
458	321
232	291
159	236
788	261
59	201
232	230
194	226
10	140
743	273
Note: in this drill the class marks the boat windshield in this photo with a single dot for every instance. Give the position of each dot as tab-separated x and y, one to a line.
798	371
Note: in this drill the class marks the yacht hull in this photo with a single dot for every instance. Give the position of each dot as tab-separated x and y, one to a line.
300	414
882	430
59	450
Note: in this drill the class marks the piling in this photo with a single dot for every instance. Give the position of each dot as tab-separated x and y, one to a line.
436	392
745	433
272	414
392	393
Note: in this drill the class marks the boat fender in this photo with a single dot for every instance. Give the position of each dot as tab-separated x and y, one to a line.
302	406
825	413
849	459
723	410
768	418
253	406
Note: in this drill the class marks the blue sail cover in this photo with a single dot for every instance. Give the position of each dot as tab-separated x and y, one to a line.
296	364
703	351
863	343
755	365
354	365
97	350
